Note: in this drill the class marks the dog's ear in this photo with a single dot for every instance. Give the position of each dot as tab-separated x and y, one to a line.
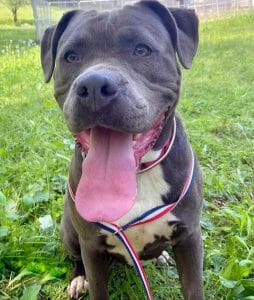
50	41
182	25
187	33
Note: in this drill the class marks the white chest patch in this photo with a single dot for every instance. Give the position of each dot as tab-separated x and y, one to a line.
151	186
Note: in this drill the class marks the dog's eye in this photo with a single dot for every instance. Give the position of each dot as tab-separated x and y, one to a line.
72	57
142	50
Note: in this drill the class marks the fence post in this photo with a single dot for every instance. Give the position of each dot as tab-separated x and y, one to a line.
35	14
42	17
217	9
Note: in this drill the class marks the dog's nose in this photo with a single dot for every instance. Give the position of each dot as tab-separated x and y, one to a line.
96	89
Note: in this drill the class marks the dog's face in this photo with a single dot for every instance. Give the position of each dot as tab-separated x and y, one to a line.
117	72
118	69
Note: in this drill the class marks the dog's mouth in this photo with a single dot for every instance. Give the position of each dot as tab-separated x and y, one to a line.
107	187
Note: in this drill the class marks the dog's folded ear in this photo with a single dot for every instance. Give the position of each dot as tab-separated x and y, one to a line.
50	41
182	25
187	34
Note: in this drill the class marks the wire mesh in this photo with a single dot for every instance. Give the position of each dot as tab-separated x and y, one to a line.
47	13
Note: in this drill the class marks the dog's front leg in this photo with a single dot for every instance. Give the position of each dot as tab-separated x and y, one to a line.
189	260
96	266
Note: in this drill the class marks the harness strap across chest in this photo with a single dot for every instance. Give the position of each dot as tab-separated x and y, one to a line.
149	216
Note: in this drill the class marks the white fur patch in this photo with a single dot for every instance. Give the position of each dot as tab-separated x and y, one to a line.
151	186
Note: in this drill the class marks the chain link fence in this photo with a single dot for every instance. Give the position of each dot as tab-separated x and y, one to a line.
47	13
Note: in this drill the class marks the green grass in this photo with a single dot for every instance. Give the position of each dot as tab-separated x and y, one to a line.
19	36
35	147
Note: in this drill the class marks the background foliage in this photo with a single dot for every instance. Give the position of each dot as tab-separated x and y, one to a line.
35	148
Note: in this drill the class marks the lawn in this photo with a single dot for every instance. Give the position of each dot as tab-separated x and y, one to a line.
35	148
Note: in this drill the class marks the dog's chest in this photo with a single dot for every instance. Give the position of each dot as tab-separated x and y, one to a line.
151	186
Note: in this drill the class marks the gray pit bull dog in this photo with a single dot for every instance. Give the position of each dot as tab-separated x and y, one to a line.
117	80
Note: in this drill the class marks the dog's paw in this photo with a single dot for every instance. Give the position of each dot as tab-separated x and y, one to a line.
77	287
164	259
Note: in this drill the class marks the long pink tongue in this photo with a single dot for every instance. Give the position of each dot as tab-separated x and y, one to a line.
107	187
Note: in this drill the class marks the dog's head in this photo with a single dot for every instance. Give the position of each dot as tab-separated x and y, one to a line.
117	79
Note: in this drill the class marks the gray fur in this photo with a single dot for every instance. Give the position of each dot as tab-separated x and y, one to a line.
141	89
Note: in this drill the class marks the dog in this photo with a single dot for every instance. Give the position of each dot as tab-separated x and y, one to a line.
117	80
